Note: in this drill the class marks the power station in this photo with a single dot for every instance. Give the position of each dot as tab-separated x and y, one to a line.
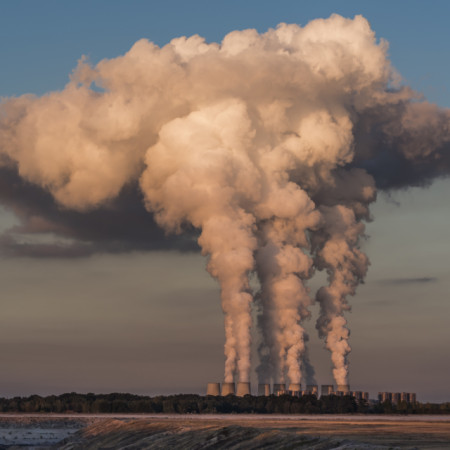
397	397
295	390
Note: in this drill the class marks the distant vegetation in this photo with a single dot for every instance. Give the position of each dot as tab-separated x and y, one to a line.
195	404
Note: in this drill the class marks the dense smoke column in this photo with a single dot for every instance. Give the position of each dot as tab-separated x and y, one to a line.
346	266
307	369
285	301
282	267
226	241
198	173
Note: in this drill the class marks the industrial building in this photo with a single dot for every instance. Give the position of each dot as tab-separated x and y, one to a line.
327	389
397	397
279	389
295	390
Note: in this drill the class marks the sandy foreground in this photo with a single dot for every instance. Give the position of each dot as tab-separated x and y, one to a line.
73	432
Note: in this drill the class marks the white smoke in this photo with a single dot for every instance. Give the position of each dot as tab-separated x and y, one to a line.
199	172
271	145
346	266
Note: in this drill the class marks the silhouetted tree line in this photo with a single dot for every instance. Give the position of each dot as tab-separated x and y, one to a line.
195	404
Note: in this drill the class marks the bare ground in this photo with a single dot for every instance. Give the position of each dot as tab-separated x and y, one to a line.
226	432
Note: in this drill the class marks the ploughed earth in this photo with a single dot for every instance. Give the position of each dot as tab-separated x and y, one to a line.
70	432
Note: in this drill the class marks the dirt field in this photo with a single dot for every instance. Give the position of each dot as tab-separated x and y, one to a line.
237	432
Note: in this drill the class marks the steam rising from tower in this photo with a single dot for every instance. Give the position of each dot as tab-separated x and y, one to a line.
271	145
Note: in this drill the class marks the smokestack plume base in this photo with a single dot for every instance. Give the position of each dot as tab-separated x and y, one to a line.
295	387
345	388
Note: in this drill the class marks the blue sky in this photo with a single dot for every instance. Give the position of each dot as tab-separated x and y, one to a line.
48	37
152	322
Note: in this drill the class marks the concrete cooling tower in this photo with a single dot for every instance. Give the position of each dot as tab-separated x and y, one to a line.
213	389
228	388
345	388
313	388
264	389
279	388
243	389
295	387
327	389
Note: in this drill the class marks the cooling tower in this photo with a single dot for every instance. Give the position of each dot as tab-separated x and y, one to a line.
264	389
279	388
295	387
313	388
387	397
227	389
243	389
345	388
404	397
213	389
327	389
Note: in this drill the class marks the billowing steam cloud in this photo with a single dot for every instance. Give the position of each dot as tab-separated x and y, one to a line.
270	145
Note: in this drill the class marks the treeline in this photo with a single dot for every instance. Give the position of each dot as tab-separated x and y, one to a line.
195	404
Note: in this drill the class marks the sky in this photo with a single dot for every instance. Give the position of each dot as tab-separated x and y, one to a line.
150	321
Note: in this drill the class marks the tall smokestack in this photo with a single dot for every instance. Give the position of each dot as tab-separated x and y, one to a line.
264	389
213	389
243	388
227	389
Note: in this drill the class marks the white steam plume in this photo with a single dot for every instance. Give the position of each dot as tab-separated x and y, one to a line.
336	249
199	173
346	266
282	266
260	142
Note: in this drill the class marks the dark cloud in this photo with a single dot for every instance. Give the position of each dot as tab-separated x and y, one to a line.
122	225
412	280
403	145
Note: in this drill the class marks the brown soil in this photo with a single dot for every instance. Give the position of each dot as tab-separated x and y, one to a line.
234	432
